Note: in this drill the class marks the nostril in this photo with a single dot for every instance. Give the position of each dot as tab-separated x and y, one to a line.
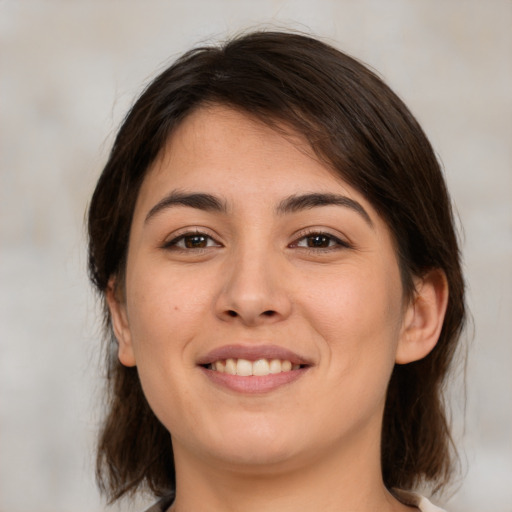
232	313
269	313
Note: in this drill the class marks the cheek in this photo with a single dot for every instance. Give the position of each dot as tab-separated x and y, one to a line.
164	312
356	302
165	317
359	317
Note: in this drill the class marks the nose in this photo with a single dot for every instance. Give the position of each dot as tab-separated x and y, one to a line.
254	290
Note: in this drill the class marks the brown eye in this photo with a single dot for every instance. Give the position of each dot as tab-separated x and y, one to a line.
320	241
195	241
192	241
316	241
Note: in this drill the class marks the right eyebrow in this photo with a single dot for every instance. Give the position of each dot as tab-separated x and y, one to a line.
201	201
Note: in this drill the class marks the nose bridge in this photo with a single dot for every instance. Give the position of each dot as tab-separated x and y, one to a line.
254	288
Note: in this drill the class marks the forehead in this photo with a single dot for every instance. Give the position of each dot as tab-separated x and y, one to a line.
218	131
219	145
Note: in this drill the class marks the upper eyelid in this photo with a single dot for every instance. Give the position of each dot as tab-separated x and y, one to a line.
188	231
321	233
299	235
339	243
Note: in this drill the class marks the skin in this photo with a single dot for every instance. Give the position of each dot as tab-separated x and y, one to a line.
311	444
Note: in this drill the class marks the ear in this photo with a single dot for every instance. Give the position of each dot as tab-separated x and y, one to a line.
120	324
424	317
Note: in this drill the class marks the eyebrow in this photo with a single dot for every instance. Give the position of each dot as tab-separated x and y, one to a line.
308	201
201	201
295	203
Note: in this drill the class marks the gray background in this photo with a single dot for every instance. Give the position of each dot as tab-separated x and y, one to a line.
68	72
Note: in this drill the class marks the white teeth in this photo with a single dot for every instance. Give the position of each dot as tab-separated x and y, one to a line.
244	368
260	367
230	366
275	366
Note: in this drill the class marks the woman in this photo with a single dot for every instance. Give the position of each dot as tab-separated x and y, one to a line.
274	245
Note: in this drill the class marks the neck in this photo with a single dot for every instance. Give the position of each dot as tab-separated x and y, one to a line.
349	480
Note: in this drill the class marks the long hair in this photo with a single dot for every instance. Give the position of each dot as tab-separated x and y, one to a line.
358	127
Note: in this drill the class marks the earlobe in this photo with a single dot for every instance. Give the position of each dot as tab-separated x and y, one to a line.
117	308
424	318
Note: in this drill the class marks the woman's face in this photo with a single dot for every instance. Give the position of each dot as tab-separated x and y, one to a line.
263	305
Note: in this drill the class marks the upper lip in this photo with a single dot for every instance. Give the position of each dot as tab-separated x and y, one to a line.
252	353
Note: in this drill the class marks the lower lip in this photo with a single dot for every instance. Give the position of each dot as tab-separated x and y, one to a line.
253	384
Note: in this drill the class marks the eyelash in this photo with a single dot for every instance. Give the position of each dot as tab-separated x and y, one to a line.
173	244
334	242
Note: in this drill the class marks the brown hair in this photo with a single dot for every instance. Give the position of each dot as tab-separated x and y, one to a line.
363	131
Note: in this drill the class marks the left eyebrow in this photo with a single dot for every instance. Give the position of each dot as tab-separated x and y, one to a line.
307	201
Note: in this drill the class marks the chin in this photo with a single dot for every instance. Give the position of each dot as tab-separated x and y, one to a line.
253	457
254	446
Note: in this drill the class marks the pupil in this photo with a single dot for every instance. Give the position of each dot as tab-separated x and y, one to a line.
318	241
194	242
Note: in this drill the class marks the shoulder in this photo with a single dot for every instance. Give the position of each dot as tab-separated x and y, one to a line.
416	500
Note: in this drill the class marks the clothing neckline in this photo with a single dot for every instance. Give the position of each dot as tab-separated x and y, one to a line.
408	498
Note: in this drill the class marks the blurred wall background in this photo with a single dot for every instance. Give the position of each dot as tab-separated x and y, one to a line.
68	72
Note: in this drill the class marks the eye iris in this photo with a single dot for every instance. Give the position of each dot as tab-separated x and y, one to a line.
318	241
195	242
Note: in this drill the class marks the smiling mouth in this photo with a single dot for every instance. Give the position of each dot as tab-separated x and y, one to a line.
258	368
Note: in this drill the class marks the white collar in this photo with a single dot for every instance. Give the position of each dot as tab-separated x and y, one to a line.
415	500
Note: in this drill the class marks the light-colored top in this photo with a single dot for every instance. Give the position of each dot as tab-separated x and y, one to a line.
415	500
425	506
407	498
